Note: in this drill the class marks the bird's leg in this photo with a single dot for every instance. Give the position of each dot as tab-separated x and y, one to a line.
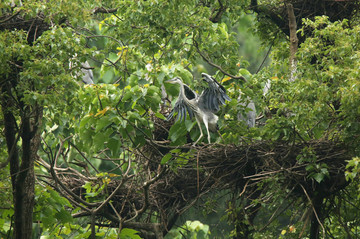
201	133
207	129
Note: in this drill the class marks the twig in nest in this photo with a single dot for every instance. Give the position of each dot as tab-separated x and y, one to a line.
244	189
10	17
124	179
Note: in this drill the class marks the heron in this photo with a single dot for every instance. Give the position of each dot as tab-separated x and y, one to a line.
88	76
86	72
250	116
203	107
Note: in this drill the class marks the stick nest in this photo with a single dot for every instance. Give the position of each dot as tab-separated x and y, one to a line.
166	191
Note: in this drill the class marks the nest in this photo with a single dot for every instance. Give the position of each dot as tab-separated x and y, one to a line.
306	9
165	192
33	26
335	10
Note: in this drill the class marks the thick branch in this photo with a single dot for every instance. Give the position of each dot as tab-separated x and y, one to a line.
272	16
219	12
314	229
10	131
293	41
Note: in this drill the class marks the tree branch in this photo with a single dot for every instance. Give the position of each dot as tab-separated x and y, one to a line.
214	65
293	41
313	208
10	17
104	10
219	12
146	186
270	15
124	179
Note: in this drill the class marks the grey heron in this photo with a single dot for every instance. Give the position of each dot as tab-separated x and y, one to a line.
86	72
250	116
88	76
203	107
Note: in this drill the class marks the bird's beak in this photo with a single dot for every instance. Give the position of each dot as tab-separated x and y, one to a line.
206	77
171	81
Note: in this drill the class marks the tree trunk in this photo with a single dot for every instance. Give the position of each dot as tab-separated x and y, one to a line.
315	217
21	169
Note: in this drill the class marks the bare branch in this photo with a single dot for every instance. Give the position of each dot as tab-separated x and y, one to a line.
313	208
104	10
214	65
86	159
124	179
146	194
10	17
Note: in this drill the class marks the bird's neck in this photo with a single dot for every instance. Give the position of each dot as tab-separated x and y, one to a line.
181	88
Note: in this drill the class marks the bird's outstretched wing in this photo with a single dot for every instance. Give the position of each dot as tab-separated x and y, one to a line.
214	96
181	107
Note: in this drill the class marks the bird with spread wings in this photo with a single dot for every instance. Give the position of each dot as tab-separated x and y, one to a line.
203	106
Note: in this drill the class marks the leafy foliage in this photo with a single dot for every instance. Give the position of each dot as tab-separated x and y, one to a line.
191	229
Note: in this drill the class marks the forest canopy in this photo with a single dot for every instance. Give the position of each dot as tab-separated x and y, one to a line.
87	150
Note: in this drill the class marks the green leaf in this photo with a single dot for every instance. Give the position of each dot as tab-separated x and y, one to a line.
176	131
114	145
160	116
189	124
108	76
87	187
113	57
318	177
310	168
102	123
166	158
128	233
64	216
161	76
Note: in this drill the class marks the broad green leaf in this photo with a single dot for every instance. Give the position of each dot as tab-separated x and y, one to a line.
189	124
102	122
177	131
64	216
318	177
128	233
160	116
166	158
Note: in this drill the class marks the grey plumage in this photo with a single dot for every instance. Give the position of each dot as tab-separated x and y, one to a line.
266	87
88	76
86	72
250	116
249	105
203	107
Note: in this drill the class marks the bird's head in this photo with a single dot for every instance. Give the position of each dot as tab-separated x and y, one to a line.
206	77
175	80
